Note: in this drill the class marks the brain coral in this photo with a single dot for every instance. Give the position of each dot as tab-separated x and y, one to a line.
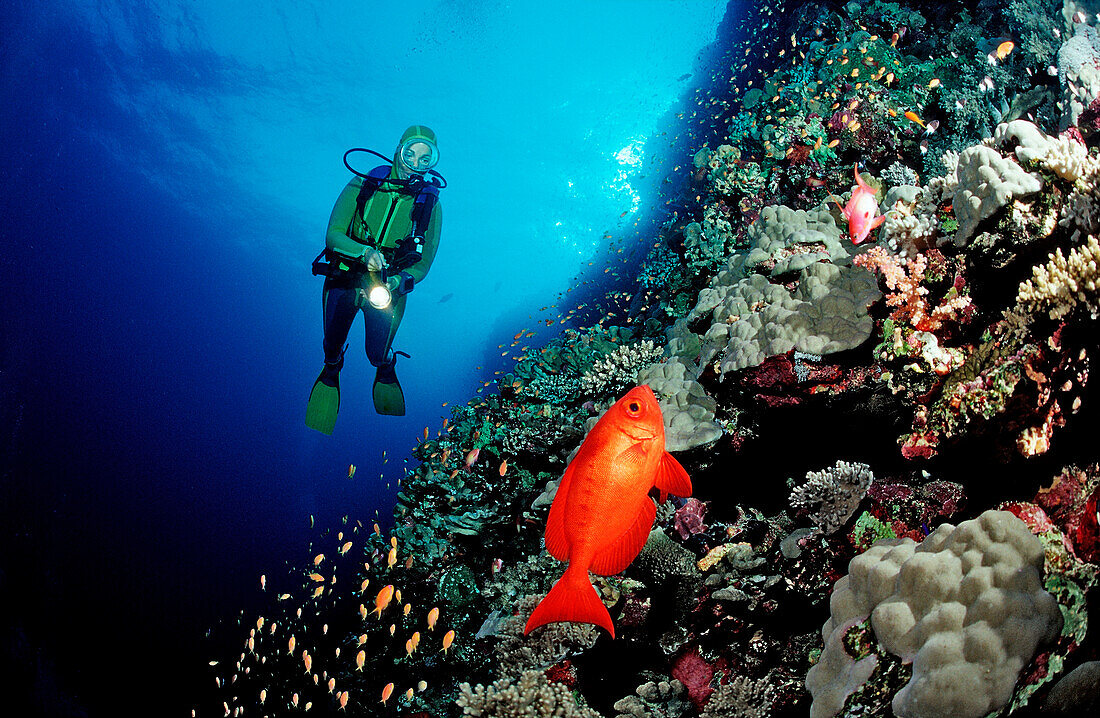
966	607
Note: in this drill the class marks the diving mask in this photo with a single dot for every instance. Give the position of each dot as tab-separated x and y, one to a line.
418	155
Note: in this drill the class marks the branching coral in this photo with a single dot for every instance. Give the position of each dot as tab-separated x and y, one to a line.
546	646
833	495
618	371
531	696
903	277
742	697
1063	283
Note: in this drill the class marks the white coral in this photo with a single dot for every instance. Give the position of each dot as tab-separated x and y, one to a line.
834	494
1066	158
987	182
1062	283
966	608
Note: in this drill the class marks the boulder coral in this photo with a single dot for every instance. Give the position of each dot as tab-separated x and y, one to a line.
966	608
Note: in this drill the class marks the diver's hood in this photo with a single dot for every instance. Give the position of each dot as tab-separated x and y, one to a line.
415	163
419	176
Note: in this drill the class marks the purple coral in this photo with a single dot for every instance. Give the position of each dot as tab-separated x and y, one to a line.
688	520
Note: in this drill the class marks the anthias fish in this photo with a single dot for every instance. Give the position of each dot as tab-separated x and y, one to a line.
602	514
861	210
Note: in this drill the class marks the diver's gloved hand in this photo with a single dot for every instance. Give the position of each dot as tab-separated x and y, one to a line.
400	284
374	260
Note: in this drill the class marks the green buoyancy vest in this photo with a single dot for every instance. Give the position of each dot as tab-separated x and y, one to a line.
374	213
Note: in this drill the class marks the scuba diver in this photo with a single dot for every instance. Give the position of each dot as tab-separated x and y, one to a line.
381	240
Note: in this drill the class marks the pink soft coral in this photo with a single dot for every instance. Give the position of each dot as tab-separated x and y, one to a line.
696	674
903	278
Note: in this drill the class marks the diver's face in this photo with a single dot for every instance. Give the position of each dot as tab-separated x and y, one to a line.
416	157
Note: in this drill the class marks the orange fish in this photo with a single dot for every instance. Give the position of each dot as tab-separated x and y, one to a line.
433	616
391	559
449	637
504	467
383	599
914	117
360	660
386	693
344	700
1004	49
472	457
602	513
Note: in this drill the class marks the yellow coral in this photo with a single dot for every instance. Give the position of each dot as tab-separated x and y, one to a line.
1063	282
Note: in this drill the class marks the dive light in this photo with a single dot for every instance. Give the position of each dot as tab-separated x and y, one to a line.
379	296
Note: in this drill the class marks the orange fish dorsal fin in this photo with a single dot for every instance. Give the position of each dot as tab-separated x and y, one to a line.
556	542
672	478
616	556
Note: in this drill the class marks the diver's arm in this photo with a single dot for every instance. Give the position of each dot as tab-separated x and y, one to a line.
431	242
342	211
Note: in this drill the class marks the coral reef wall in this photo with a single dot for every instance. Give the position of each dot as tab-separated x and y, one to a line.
891	438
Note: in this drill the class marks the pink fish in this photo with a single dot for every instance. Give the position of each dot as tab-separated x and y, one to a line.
861	210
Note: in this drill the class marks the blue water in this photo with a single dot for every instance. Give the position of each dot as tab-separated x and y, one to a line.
166	175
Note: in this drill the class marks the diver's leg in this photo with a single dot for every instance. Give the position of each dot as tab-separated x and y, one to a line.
381	327
338	309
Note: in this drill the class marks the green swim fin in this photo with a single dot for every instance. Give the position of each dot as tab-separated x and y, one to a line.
324	401
388	397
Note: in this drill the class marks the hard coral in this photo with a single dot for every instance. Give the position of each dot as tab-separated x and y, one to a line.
531	696
966	607
834	494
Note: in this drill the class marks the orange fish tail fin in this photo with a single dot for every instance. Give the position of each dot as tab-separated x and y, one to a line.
671	478
571	599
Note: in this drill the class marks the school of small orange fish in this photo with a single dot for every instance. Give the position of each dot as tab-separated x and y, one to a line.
293	660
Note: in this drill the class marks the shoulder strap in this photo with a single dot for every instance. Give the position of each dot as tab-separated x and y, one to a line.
370	185
422	209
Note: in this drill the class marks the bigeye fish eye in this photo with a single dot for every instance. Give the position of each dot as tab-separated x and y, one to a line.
634	407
